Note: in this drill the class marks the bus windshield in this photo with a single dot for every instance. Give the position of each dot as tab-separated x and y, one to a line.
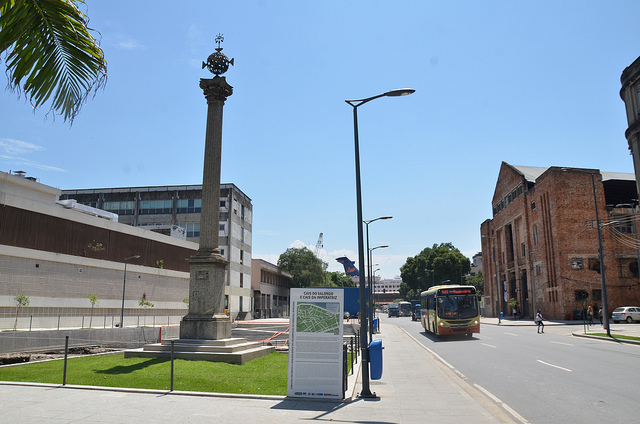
457	306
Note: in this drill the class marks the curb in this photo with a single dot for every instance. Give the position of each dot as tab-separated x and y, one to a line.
605	339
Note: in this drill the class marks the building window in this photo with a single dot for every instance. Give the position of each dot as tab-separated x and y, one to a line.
623	223
154	207
597	295
222	227
519	190
535	234
242	234
582	295
242	212
523	250
120	208
223	203
241	256
240	304
577	264
192	228
538	270
241	283
189	205
533	205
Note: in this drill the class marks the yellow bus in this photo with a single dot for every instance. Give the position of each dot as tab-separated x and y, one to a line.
452	309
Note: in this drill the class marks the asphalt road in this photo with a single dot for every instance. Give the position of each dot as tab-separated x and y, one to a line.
545	378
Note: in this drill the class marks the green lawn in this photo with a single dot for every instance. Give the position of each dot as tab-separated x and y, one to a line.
615	336
267	375
262	376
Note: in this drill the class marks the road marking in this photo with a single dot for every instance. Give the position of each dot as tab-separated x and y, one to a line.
566	344
488	345
513	413
554	366
511	334
501	403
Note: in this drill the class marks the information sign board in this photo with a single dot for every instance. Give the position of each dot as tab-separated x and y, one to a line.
315	343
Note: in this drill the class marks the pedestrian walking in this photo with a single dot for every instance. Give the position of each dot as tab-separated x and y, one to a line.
590	315
600	315
539	319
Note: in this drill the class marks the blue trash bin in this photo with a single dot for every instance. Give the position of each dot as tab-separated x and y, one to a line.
375	359
375	325
501	316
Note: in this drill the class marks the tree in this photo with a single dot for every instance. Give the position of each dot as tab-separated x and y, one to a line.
305	267
93	298
340	279
21	302
478	282
144	303
432	266
49	51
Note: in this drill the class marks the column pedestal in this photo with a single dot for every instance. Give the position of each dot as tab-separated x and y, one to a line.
206	319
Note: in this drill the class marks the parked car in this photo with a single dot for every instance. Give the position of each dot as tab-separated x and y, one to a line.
394	310
626	313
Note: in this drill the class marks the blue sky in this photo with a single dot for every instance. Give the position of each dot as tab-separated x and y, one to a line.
529	83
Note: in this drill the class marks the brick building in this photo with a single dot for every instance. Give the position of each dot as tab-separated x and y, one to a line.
541	246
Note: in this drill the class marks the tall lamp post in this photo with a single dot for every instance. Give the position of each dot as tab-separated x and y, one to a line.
366	391
124	285
603	284
372	311
369	268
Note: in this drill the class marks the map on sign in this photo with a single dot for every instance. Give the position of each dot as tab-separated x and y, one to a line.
318	317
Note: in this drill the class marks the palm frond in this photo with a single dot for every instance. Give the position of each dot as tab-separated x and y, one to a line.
50	53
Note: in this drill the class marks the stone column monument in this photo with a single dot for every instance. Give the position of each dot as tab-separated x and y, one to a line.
206	319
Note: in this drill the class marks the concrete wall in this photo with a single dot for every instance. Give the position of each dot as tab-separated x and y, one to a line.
31	341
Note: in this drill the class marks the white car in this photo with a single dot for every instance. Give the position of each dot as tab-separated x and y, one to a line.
626	313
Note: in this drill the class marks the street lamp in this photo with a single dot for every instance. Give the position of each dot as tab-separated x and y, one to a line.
124	285
603	283
366	392
369	268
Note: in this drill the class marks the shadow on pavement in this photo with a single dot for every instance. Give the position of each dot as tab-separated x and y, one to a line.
447	339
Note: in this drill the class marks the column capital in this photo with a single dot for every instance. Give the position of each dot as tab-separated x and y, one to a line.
216	89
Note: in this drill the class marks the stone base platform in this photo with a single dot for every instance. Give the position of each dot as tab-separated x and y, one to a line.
232	351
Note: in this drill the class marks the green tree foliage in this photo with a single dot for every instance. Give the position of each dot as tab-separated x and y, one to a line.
340	279
93	299
49	51
432	266
21	302
305	267
478	282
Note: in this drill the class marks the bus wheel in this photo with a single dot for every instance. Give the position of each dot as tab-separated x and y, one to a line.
470	335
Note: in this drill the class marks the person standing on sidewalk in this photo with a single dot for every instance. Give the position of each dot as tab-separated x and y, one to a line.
539	319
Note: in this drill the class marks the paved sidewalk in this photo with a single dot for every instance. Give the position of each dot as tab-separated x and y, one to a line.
415	388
